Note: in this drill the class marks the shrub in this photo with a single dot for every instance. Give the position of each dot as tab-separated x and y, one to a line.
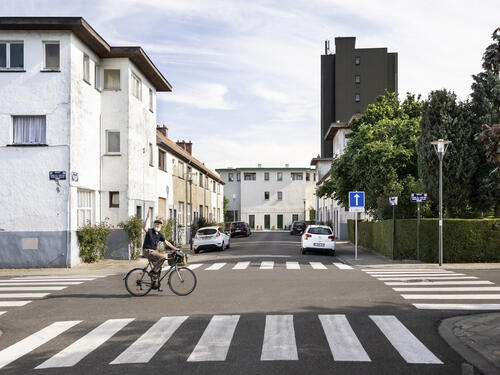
92	241
133	228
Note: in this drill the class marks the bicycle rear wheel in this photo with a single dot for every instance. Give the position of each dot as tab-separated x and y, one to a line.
182	281
138	282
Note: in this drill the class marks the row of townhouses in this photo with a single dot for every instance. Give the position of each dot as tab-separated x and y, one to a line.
79	144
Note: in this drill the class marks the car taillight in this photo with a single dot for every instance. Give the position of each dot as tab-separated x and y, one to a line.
308	236
218	233
331	238
243	228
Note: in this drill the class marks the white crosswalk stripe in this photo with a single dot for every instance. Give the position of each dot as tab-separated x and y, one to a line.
146	346
410	348
22	283
318	266
342	266
215	267
292	266
29	288
2	312
215	342
13	303
74	353
267	265
194	266
343	342
473	282
420	275
32	342
68	277
241	266
427	278
279	339
457	306
23	295
451	289
450	296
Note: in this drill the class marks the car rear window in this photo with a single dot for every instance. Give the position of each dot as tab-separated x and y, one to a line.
239	224
320	230
205	232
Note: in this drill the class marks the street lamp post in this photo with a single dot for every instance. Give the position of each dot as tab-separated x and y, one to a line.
304	210
440	146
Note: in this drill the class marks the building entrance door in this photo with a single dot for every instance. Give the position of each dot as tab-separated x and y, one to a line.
280	221
267	221
251	219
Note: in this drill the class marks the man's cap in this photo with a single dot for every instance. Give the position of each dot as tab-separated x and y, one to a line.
158	222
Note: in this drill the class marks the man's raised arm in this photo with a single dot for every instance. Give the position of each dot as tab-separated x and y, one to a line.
145	225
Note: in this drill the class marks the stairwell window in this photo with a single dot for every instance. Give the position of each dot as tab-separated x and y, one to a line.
151	97
136	87
29	130
11	55
86	68
112	79
112	142
52	59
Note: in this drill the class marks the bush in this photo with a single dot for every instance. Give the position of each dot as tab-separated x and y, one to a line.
133	228
464	240
92	241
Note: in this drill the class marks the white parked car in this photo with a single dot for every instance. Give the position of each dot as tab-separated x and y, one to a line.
211	238
318	237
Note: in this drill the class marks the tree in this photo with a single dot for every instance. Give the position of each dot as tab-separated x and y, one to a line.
380	157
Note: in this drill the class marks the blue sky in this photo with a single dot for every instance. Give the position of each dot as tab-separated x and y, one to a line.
246	74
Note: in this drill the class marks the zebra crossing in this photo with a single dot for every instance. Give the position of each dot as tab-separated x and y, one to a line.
278	341
439	286
269	265
20	291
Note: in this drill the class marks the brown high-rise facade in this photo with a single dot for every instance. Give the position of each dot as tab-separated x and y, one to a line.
351	79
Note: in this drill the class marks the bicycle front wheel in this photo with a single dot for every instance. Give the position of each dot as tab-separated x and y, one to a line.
138	282
182	281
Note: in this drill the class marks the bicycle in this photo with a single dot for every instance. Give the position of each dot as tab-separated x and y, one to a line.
181	280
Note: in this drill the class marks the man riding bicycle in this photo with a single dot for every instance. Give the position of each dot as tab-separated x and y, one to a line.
150	245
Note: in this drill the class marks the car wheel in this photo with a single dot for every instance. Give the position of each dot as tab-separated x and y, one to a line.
197	251
332	253
228	245
303	251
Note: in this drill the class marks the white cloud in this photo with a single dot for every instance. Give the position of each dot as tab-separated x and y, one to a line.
266	93
202	95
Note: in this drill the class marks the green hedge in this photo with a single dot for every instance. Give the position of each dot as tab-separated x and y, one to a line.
464	240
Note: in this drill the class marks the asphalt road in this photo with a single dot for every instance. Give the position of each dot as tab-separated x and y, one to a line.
238	321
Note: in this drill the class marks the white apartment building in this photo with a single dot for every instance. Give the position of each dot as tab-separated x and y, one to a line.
77	137
268	198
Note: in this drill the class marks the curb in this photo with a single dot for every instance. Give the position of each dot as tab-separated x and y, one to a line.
445	330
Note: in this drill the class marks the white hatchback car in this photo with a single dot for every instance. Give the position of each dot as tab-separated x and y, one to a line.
210	238
318	237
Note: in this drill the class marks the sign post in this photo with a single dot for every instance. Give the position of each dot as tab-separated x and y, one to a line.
356	204
418	198
393	201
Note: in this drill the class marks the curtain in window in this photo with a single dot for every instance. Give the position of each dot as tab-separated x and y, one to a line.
112	79
29	129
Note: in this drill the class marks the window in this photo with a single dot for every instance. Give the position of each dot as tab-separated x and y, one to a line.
357	60
206	184
151	155
238	176
297	176
180	170
112	79
319	230
357	79
266	195
308	176
138	211
249	176
85	208
280	176
12	55
29	130
201	180
112	142
136	87
230	176
114	199
151	100
52	59
357	97
180	214
215	187
97	77
218	215
266	176
280	195
295	217
161	160
86	68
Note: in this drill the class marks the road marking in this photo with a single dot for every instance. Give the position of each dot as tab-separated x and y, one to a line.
146	346
475	282
292	266
451	289
417	275
215	341
318	266
457	306
450	296
194	266
15	282
410	348
74	353
401	269
342	266
32	342
427	278
40	280
343	342
215	267
23	295
29	288
241	266
279	339
269	265
13	303
66	277
2	312
423	271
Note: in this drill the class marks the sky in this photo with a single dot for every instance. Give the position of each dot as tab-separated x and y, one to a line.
246	74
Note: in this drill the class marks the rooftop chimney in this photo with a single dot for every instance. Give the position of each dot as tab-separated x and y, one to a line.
163	130
287	165
259	165
186	146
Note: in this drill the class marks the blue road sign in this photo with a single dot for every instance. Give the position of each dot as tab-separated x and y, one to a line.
393	201
418	197
356	200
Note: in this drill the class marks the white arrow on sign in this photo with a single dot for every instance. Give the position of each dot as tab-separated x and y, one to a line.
357	197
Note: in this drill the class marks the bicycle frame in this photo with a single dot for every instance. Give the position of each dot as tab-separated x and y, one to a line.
150	265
